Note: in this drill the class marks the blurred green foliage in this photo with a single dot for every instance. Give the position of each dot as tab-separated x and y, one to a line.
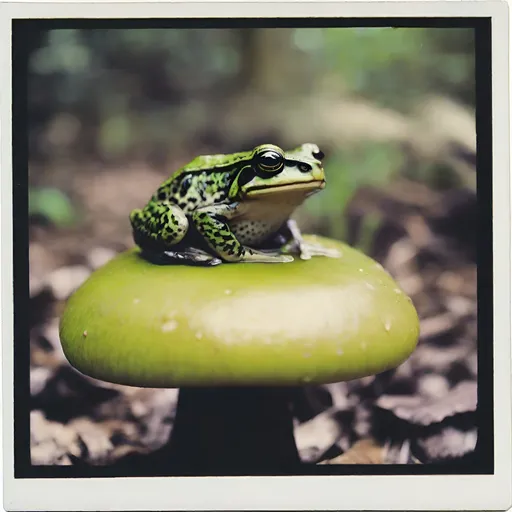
395	66
112	96
346	171
52	205
125	84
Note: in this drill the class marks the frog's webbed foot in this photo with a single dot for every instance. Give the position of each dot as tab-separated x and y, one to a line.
265	256
189	256
310	250
306	250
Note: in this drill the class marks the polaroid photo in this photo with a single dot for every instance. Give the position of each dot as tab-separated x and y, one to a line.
256	256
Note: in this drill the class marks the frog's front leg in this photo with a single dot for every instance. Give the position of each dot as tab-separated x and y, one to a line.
212	224
296	244
305	250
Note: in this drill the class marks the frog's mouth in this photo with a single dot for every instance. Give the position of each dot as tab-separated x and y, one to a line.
304	187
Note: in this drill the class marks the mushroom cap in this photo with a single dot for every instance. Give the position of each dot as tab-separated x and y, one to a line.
315	321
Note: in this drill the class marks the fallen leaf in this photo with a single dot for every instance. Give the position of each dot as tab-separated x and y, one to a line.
365	451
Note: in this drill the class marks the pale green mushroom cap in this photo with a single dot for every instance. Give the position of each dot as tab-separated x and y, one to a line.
314	321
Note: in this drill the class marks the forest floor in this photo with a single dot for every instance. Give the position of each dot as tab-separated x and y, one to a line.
421	412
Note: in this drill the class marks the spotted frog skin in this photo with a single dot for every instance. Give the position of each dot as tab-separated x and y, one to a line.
232	208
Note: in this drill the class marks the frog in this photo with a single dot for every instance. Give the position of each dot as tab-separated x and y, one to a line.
232	208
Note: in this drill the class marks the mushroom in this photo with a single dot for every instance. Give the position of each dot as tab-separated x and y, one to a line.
237	339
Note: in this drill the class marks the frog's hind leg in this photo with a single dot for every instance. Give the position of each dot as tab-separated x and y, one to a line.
159	226
159	229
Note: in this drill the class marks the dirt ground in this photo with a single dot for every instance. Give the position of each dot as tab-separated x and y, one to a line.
430	400
421	412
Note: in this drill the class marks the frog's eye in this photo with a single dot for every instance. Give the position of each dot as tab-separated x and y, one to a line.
319	155
270	161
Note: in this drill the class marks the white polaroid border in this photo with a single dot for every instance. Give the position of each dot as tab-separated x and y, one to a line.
443	492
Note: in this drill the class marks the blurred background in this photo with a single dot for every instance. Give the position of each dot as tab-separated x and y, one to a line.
112	113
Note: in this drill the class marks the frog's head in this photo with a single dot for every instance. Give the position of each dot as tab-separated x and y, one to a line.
270	170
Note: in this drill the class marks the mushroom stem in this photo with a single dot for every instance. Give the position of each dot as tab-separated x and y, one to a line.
233	430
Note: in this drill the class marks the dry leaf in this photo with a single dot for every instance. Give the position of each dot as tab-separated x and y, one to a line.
425	411
366	451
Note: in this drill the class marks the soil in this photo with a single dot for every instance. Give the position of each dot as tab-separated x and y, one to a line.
421	412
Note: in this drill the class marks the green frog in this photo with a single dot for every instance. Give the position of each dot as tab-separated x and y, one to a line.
232	208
